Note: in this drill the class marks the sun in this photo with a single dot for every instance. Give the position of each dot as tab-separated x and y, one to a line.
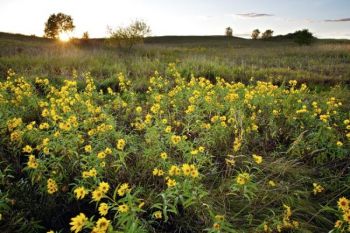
64	37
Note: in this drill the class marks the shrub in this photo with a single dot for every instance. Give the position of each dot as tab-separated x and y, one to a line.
131	35
303	37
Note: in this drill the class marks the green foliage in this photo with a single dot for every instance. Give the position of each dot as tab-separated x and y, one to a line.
303	37
187	154
58	23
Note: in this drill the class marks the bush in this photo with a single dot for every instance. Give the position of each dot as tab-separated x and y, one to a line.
303	37
131	35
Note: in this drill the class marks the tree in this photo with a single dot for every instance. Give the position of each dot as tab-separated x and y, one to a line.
85	36
58	23
267	34
228	31
131	35
255	34
303	37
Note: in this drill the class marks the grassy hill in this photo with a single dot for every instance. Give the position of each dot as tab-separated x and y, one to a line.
326	61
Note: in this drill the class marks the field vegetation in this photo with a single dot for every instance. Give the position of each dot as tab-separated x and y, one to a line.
180	134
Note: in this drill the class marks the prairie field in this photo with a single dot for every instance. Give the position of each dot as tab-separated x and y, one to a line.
178	134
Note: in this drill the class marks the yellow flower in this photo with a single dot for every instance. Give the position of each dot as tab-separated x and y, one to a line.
120	144
272	183
155	108
45	141
92	172
138	109
219	218
157	214
338	224
123	189
148	118
266	228
194	173
216	226
339	144
168	129
186	169
97	195
15	136
88	148
242	178
51	186
108	151
46	150
214	119
171	183
32	163
102	224
287	211
164	155
257	158
194	152
80	192
123	208
77	223
101	155
174	170
346	216
27	149
317	188
175	139
343	203
201	149
237	144
44	126
190	109
103	187
158	172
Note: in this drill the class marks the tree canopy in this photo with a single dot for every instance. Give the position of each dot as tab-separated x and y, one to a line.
303	37
267	34
228	31
58	23
255	34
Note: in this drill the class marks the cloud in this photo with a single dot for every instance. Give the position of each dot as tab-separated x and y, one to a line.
254	15
338	20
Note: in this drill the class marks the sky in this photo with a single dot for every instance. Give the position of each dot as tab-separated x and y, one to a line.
325	18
